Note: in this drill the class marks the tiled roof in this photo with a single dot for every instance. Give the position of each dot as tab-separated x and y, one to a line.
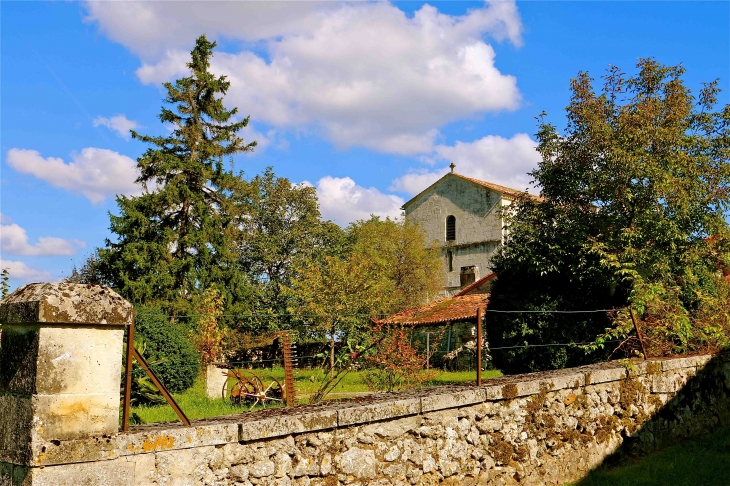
492	186
504	190
451	309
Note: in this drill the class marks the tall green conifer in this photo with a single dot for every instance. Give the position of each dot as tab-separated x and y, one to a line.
174	240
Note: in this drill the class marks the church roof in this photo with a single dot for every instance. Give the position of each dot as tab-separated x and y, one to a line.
504	190
495	187
451	309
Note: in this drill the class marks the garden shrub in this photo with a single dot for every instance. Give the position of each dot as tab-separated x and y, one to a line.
168	342
396	364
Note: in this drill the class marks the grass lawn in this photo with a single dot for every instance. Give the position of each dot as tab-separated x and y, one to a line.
704	461
196	405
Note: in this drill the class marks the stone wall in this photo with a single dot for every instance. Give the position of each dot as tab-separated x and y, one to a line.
545	428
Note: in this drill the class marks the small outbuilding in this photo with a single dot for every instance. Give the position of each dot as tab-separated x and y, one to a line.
445	329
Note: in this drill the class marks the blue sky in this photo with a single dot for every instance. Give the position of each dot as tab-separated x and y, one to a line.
368	102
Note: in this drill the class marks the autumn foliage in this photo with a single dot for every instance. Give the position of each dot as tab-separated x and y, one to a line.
209	336
396	363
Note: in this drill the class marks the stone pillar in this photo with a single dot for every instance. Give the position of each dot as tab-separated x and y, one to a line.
60	365
215	378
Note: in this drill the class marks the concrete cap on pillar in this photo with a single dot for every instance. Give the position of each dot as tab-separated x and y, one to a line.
65	303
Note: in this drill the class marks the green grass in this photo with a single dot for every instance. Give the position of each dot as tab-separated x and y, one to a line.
196	405
193	402
704	461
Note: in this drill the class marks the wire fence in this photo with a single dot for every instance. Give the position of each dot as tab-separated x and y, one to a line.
448	348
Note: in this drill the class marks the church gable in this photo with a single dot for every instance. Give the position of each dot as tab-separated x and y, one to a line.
456	211
463	218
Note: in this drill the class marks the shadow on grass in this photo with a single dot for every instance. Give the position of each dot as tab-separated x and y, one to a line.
703	461
687	442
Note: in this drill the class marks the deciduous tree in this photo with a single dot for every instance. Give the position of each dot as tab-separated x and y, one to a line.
403	256
338	297
635	198
384	267
280	230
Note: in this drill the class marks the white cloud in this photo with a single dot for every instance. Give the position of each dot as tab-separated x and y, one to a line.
416	182
14	241
25	274
5	219
360	74
118	123
136	24
94	172
504	161
343	201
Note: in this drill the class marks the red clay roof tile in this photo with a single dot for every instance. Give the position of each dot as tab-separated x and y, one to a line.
451	309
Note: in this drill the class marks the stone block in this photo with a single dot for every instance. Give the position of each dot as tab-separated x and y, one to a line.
604	375
186	467
175	438
703	360
106	473
63	417
493	392
215	378
75	360
644	367
287	425
18	359
15	432
378	411
522	389
452	400
563	381
677	363
98	448
360	463
144	470
670	382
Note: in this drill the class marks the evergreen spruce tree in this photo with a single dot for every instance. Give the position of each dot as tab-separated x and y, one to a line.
174	240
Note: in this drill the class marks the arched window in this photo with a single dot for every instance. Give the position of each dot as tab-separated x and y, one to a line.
450	228
450	260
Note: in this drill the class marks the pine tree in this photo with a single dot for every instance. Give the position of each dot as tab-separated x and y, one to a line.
4	285
174	240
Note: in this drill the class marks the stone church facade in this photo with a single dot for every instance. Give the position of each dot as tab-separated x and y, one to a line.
462	217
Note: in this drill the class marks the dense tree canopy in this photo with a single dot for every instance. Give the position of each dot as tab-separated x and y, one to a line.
280	229
633	211
384	266
400	252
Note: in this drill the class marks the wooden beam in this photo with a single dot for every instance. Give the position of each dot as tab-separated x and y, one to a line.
480	316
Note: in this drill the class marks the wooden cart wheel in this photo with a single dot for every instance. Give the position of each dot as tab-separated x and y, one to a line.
238	388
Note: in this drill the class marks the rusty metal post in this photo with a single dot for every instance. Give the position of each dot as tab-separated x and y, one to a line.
156	381
479	346
128	376
638	334
289	391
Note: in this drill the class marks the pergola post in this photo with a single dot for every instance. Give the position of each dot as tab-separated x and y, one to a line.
480	317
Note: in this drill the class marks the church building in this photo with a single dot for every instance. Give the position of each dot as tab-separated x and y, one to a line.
463	217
